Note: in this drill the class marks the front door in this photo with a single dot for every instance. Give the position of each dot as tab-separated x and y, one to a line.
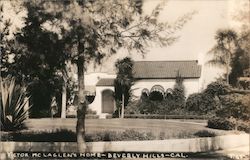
107	101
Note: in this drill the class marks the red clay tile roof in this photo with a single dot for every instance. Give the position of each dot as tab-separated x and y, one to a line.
160	70
166	69
106	82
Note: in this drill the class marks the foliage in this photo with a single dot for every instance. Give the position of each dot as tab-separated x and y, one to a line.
224	49
202	103
208	101
178	95
221	123
35	58
231	52
229	124
87	116
172	103
168	116
64	135
132	107
123	82
5	43
58	135
217	88
13	101
240	64
84	31
193	101
205	133
235	105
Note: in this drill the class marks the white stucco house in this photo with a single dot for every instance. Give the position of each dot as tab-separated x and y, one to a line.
150	77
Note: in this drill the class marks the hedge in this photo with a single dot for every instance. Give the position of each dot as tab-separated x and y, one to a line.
70	136
157	116
87	116
228	124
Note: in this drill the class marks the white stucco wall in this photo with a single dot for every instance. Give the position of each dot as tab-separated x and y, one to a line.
92	78
191	85
96	105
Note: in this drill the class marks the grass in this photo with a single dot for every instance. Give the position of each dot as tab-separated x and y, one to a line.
58	130
171	128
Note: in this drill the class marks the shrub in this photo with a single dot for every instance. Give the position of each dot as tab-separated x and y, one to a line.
135	135
157	116
41	136
235	105
204	133
109	116
229	124
243	126
87	116
13	101
91	116
127	135
90	112
193	102
202	103
221	123
133	107
217	88
178	95
70	136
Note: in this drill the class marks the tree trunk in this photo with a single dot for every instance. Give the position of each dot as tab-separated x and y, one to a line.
64	93
81	108
122	114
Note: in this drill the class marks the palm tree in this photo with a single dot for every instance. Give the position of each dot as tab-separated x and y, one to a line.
224	50
123	81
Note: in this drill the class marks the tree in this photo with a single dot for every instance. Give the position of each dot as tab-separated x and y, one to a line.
123	82
82	31
179	92
224	50
38	59
234	46
5	42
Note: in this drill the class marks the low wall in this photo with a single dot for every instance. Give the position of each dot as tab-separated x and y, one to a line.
171	145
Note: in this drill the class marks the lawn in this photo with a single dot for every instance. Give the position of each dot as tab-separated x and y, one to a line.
170	128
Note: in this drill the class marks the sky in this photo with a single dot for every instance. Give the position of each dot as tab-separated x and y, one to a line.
196	37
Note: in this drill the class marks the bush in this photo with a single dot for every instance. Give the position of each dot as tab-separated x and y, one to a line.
204	133
243	126
202	103
229	124
221	123
157	116
70	136
90	112
133	107
13	101
193	102
109	116
217	88
91	116
40	136
87	116
235	105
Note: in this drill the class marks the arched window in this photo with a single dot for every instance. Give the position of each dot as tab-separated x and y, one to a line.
144	93
169	93
156	93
